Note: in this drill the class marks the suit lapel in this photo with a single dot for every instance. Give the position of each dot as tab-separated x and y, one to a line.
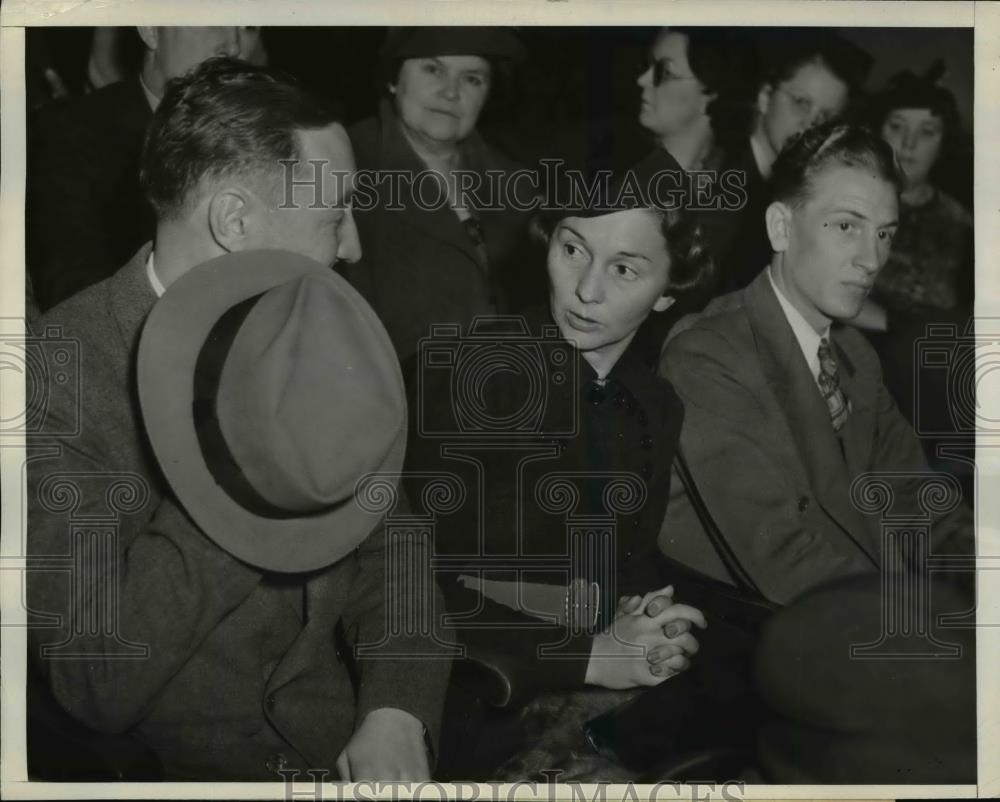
805	410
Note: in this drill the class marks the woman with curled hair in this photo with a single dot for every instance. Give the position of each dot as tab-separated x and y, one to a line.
438	249
693	94
929	275
583	431
930	266
695	105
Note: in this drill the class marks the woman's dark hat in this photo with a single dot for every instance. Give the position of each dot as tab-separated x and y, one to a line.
445	40
269	388
908	90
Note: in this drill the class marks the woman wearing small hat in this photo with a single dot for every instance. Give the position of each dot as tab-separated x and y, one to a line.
440	257
930	266
599	448
929	275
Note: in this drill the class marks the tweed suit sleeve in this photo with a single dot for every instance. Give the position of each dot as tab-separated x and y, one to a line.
116	626
729	439
394	620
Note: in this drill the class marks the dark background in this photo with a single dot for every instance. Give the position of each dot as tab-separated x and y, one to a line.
575	94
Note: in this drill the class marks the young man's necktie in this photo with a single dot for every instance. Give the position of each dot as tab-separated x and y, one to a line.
829	385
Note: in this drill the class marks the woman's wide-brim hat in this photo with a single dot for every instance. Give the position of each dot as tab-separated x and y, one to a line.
269	389
449	40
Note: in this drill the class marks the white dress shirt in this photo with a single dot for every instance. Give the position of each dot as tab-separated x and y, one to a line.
154	280
151	99
806	336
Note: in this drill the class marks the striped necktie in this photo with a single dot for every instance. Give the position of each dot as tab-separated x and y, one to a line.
829	385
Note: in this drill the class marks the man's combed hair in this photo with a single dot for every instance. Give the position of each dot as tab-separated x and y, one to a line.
224	118
825	146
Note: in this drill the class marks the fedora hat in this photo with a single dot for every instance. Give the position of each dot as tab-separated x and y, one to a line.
268	388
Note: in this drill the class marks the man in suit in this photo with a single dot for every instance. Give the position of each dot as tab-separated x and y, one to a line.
241	662
785	409
85	214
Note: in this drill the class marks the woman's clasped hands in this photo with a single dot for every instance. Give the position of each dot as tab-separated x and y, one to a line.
649	640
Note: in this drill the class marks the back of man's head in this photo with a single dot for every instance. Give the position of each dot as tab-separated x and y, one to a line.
825	146
226	119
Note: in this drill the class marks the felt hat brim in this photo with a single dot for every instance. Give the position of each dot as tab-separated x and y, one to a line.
172	338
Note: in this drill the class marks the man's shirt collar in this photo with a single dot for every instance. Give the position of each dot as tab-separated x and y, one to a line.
806	336
154	280
152	99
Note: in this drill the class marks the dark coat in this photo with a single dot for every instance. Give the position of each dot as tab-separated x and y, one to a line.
738	239
85	214
766	460
530	493
421	267
234	673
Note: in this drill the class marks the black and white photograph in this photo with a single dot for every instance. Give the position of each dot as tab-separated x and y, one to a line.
544	399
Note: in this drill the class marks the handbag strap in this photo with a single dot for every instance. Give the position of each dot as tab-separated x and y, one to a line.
742	578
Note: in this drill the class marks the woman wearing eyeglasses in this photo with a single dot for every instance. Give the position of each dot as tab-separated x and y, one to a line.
805	79
688	86
693	101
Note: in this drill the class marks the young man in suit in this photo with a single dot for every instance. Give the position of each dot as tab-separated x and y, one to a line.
83	163
242	571
785	411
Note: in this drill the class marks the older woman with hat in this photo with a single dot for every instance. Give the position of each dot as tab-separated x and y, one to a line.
554	422
436	249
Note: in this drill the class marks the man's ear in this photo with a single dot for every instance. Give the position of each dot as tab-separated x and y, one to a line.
229	212
149	35
778	218
663	303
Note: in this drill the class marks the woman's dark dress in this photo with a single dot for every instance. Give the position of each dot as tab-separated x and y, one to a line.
593	437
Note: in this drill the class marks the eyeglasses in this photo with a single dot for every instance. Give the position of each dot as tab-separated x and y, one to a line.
805	107
662	73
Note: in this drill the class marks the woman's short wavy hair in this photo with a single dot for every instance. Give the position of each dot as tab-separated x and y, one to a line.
691	269
723	61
